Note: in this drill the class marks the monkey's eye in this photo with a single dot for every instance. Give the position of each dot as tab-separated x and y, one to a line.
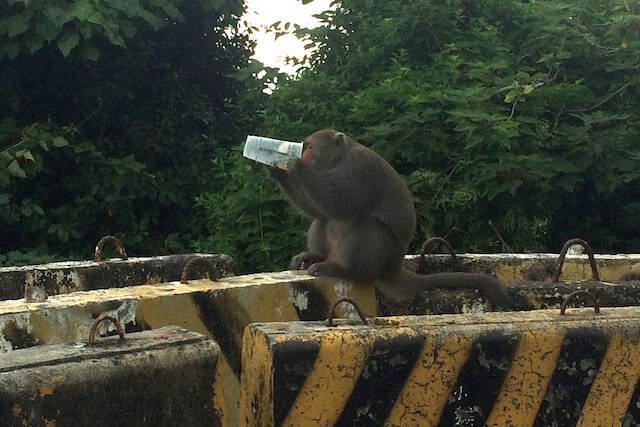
308	146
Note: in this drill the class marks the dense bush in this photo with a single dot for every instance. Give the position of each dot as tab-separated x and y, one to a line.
523	113
110	114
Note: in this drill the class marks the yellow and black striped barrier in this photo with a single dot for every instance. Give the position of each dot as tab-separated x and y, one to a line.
220	310
223	309
533	368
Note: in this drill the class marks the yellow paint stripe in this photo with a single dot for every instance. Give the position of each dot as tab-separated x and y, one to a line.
525	385
614	384
337	367
422	399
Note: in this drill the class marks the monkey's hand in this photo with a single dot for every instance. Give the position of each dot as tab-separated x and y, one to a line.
276	173
294	165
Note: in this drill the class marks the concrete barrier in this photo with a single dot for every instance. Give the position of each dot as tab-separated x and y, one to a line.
517	268
217	309
223	309
525	295
71	276
495	369
159	377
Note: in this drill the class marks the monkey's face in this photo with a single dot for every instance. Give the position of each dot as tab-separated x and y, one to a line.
324	149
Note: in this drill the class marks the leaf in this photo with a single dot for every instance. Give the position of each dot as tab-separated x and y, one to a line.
527	89
67	42
114	37
4	199
511	95
15	169
47	30
11	49
306	1
56	16
86	30
172	11
29	156
95	17
25	154
624	44
90	52
626	5
59	141
81	9
151	19
16	24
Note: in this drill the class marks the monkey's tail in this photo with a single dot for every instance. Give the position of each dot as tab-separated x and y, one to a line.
408	281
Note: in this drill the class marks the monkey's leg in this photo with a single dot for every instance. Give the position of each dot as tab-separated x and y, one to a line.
363	250
316	245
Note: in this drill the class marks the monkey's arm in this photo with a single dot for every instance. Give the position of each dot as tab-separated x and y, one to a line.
346	191
293	189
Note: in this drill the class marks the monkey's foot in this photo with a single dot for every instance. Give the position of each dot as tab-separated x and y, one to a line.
326	268
304	260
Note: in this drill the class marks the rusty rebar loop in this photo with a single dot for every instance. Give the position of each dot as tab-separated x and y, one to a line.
434	242
102	318
97	253
213	269
572	296
563	254
350	301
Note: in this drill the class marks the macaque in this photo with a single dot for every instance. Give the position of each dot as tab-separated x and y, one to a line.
363	219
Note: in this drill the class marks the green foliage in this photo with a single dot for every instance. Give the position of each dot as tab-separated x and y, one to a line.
248	216
110	113
28	26
519	112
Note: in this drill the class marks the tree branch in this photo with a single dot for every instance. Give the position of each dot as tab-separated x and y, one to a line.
17	144
513	107
535	85
593	107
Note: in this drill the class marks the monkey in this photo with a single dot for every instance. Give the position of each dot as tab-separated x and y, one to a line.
363	219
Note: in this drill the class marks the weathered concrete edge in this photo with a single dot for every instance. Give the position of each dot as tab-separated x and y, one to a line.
512	268
72	276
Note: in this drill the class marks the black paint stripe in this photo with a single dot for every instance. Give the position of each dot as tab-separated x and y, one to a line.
632	417
480	380
383	377
580	357
220	327
317	306
292	363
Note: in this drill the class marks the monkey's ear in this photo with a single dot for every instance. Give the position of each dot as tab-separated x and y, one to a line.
338	138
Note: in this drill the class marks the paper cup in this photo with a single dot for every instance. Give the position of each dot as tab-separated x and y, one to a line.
270	151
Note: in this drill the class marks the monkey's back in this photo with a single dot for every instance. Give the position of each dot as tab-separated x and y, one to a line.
393	204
